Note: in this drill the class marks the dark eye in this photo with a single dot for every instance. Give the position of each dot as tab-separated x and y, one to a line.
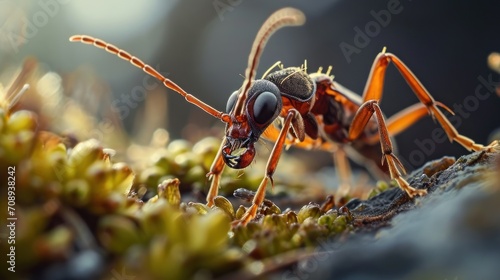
232	101
264	107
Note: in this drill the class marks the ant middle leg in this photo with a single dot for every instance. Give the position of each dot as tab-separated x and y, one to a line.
361	119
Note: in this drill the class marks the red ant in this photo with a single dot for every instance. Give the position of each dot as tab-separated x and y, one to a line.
316	112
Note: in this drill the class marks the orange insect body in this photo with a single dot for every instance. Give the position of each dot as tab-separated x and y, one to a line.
316	112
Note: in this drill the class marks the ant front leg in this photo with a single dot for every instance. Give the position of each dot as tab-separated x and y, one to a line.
363	115
215	174
294	120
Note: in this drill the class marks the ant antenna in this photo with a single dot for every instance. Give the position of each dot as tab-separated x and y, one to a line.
152	72
279	19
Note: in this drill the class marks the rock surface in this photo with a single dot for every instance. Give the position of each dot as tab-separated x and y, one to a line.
452	233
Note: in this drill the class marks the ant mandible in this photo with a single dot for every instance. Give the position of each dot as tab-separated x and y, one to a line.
316	112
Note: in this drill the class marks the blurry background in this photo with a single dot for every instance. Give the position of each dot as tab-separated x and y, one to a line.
203	46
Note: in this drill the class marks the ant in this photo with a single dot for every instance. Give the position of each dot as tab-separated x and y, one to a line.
315	112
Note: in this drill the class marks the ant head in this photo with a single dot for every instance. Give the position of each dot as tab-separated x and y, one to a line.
262	106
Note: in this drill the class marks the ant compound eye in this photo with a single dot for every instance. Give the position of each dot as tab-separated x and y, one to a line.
264	107
232	101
